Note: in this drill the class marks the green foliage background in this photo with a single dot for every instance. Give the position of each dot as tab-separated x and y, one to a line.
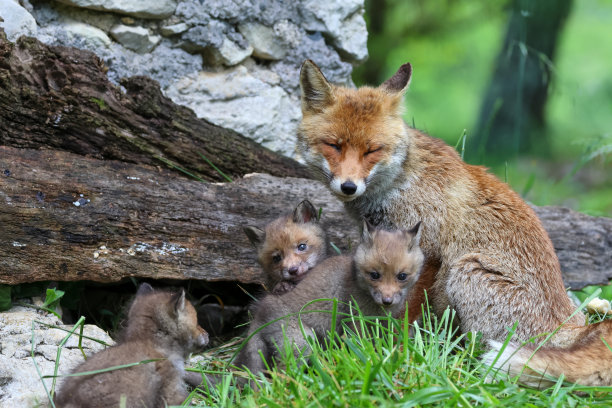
453	44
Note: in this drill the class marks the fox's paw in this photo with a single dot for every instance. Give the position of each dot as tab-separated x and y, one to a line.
283	287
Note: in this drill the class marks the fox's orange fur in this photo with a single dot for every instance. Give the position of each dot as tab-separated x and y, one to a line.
495	262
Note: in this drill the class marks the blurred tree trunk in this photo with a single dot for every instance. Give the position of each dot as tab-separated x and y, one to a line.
512	115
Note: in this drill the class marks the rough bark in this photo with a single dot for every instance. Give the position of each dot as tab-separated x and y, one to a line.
138	220
60	98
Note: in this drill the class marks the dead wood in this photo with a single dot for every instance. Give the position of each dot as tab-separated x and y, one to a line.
68	217
60	98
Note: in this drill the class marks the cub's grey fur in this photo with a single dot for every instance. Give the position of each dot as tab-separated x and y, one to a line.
384	255
161	325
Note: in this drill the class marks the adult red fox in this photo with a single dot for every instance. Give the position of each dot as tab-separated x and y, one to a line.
493	261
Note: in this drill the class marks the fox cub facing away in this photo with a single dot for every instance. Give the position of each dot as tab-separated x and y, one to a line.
162	326
379	278
492	260
289	247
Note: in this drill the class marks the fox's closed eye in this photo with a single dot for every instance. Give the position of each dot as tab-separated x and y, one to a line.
276	258
336	147
373	150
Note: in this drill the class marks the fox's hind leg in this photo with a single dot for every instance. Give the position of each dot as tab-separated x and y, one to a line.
490	299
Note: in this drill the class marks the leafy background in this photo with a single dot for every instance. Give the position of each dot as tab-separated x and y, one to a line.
453	46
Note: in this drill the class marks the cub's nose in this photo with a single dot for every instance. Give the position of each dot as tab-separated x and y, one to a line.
387	301
293	270
348	187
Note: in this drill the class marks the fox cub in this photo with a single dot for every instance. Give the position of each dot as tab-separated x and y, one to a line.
161	326
289	247
488	256
379	278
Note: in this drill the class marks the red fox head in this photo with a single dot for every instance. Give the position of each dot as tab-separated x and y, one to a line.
155	311
388	264
353	138
290	246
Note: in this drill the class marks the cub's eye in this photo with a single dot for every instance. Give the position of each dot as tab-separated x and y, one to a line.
372	150
336	147
276	258
402	276
302	247
374	275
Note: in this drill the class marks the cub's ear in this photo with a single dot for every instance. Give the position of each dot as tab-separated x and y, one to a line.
305	212
316	90
144	289
400	80
366	232
255	235
416	233
178	301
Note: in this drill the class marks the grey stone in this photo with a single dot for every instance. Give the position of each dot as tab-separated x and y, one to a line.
174	29
17	20
202	35
191	12
136	39
312	47
352	40
136	8
237	100
342	21
20	384
53	13
265	42
229	53
89	36
165	64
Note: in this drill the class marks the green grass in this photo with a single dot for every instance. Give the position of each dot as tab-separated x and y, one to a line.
377	366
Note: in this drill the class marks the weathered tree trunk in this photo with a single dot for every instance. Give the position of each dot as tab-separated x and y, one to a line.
60	98
68	217
512	117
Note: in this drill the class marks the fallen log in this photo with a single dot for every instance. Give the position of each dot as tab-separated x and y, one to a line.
66	217
60	98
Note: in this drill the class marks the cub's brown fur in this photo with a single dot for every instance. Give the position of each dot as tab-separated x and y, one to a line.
161	325
289	247
379	278
497	265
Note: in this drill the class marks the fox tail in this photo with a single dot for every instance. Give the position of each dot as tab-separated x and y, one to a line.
587	361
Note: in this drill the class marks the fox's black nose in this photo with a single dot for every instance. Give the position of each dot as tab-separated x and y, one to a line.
348	187
387	301
293	270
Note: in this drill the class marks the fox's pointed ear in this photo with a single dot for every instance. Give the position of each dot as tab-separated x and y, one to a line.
304	212
316	90
416	233
144	289
178	300
366	232
255	235
400	80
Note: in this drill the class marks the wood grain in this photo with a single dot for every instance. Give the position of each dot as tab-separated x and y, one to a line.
154	223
